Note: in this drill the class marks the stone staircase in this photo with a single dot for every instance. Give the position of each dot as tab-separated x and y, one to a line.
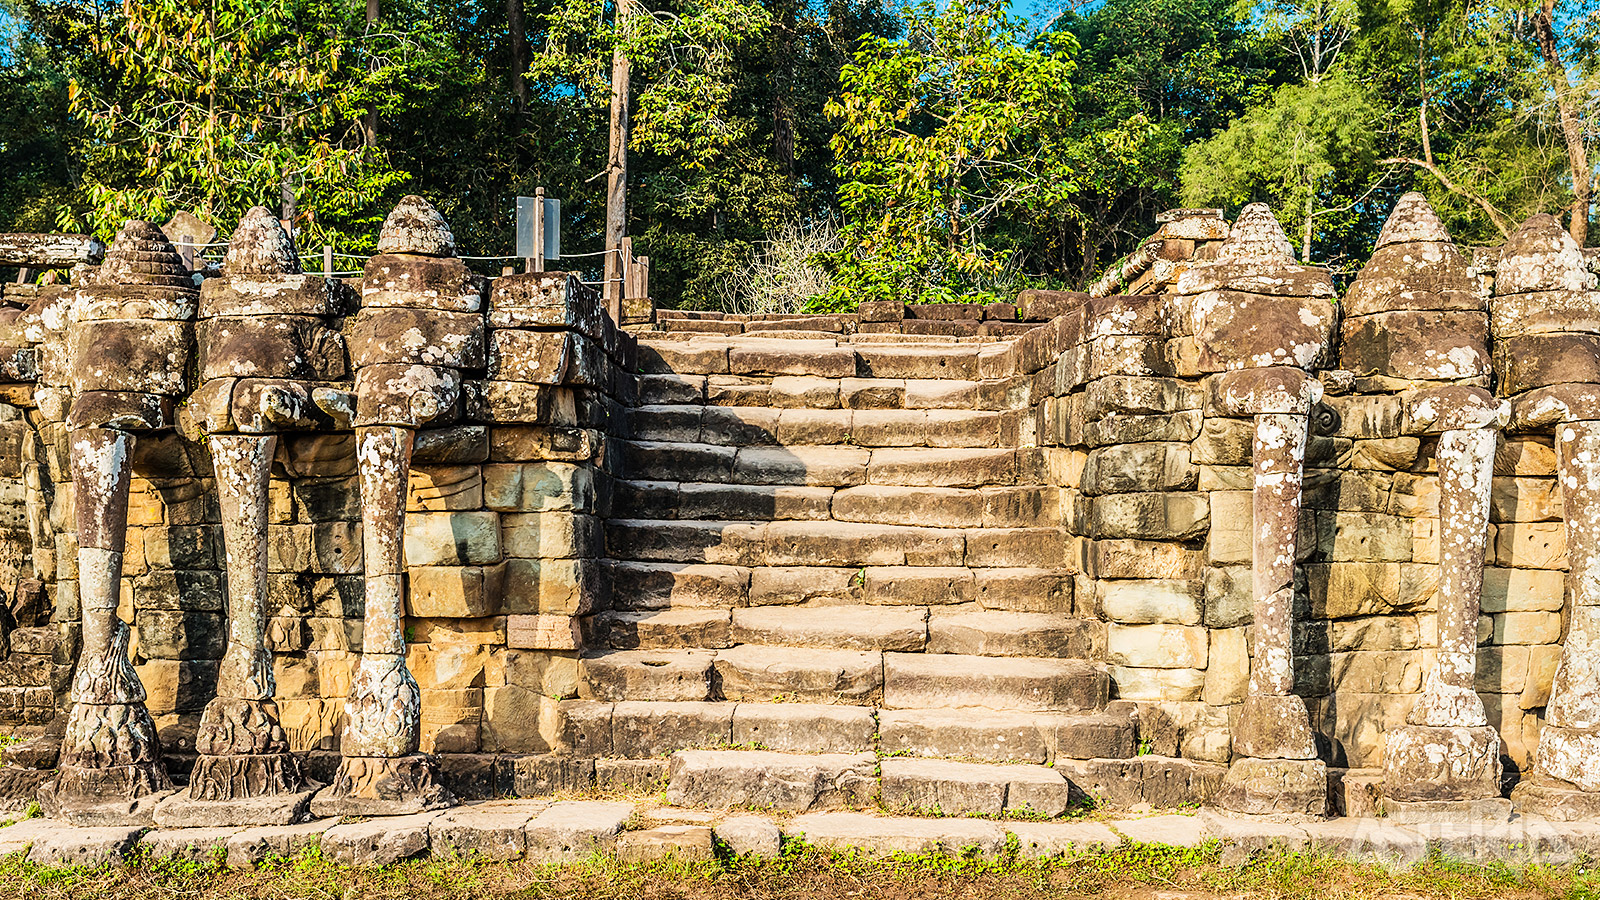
834	550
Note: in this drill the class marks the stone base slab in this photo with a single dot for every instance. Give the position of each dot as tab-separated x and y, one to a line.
567	830
1428	763
183	811
1278	790
1568	755
1551	799
383	786
1425	812
114	813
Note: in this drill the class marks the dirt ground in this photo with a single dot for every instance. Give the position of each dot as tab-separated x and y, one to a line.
1128	874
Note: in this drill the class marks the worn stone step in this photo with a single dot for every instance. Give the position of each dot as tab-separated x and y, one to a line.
687	541
998	633
805	727
838	465
755	672
833	627
924	680
961	788
861	544
768	779
747	426
893	836
810	543
1002	736
915	467
692	500
646	675
669	585
812	392
668	629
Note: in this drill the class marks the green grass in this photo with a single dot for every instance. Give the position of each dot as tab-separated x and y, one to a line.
1135	871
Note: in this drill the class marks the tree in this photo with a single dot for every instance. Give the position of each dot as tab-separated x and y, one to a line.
1290	151
1493	103
39	140
941	134
1152	77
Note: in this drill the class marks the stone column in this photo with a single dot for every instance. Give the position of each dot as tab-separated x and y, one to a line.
1277	771
1444	763
409	347
1566	778
245	774
1546	321
129	339
266	341
110	756
1261	323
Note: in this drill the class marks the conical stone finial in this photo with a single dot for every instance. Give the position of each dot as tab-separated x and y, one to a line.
1413	221
1256	237
141	254
260	246
1542	256
414	226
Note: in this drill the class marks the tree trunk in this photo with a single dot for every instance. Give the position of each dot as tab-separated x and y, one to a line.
286	196
1571	127
782	84
518	37
1311	207
369	121
617	164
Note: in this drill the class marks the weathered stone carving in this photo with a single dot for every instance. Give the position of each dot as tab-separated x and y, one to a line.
1263	321
130	344
1419	326
261	340
419	326
1546	320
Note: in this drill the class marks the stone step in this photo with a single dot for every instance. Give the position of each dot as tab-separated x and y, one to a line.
822	465
810	392
638	586
641	586
944	787
1001	736
1028	506
927	680
746	426
645	730
755	672
807	354
764	779
761	672
985	632
790	543
642	675
833	627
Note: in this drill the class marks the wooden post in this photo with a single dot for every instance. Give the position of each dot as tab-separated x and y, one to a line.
538	230
617	167
327	260
186	252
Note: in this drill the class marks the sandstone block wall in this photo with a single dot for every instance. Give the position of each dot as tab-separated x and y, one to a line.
617	543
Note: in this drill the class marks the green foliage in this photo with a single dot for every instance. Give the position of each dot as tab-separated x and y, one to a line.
1153	76
214	106
1286	151
681	55
941	134
37	135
